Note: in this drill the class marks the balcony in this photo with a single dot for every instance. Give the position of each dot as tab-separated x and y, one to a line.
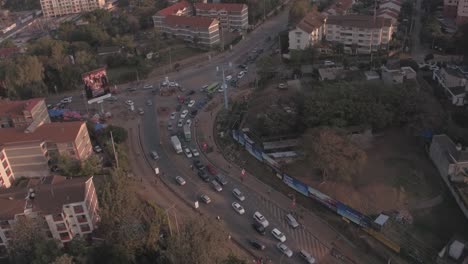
78	209
57	218
85	228
64	236
81	219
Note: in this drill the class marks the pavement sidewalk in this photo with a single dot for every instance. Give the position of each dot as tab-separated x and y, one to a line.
322	230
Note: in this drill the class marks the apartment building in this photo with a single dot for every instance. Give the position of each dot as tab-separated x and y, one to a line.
29	153
454	81
24	115
232	16
63	208
55	8
200	30
309	31
359	34
178	9
6	173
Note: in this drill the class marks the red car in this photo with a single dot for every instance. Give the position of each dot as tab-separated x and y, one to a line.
211	169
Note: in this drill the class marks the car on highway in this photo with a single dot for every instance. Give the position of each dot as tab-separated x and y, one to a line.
216	186
169	126
202	174
204	88
198	164
228	78
259	218
282	86
173	115
97	149
188	122
278	235
180	123
195	152
173	84
221	179
184	114
292	222
188	153
141	111
205	198
259	228
211	169
240	75
257	245
129	102
284	249
191	103
238	194
306	256
148	86
66	100
180	180
154	155
238	208
149	102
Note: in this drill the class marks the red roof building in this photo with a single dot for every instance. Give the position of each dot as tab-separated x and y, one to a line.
200	30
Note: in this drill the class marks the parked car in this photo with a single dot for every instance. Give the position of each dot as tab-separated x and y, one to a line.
195	152
221	179
216	186
169	126
203	88
154	155
292	221
148	86
129	102
328	63
211	169
282	86
188	122
184	114
188	153
284	249
257	245
205	198
228	78
238	194
238	208
202	174
149	102
260	219
198	164
180	123
66	100
259	228
97	149
141	111
240	75
173	115
307	257
278	235
191	103
180	180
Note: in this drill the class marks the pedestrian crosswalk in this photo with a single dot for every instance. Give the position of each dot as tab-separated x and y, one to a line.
304	238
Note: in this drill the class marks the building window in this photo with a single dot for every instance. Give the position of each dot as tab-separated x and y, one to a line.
57	217
82	218
78	209
298	41
64	236
61	227
5	164
85	228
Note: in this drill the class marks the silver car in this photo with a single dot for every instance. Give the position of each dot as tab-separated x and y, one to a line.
216	186
238	194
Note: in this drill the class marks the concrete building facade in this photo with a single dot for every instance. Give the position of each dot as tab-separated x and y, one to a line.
200	30
309	31
55	8
63	208
232	16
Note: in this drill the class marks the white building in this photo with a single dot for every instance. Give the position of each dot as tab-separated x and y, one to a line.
65	208
235	16
453	80
202	30
359	34
308	32
54	8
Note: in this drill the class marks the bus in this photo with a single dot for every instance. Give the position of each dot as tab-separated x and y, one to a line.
212	88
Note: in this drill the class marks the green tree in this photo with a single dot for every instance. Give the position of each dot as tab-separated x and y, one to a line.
266	68
119	133
68	166
91	166
233	259
24	77
298	11
337	157
64	259
7	43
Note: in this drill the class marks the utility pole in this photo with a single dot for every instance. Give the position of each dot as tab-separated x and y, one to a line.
115	153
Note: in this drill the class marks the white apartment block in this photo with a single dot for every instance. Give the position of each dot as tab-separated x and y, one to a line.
233	16
308	32
6	173
65	208
359	34
202	30
55	8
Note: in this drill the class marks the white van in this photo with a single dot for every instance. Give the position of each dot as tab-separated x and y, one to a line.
292	221
307	257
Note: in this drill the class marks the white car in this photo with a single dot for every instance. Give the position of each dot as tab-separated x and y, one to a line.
97	149
328	63
205	198
129	102
204	88
222	87
228	78
238	194
191	103
180	123
188	153
180	180
173	84
147	86
240	75
216	186
195	152
66	100
173	115
184	114
260	219
307	257
188	122
284	249
278	235
141	111
238	208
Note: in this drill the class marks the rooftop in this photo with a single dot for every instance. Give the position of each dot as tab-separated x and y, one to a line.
173	9
59	132
311	21
330	73
16	108
51	193
457	90
339	7
359	21
221	6
192	22
453	155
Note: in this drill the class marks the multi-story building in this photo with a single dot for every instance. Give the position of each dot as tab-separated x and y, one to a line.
178	9
29	153
454	82
6	173
308	32
359	34
462	12
450	8
200	30
24	115
63	208
233	16
389	13
55	8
